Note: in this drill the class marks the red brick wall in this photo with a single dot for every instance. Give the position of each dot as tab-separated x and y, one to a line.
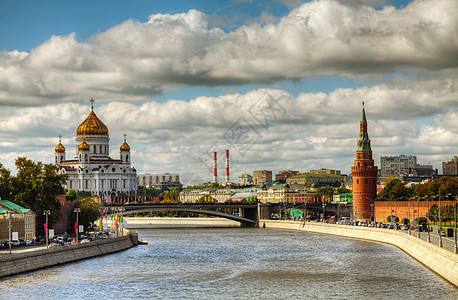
404	209
66	208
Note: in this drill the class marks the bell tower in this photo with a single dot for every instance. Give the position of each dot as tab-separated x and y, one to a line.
364	175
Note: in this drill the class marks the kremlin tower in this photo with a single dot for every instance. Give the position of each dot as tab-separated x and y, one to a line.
364	175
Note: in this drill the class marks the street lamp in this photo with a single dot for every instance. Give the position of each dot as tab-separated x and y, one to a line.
77	210
47	213
440	223
9	229
324	205
121	210
418	216
428	238
372	217
454	219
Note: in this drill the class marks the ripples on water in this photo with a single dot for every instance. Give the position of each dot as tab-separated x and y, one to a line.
237	264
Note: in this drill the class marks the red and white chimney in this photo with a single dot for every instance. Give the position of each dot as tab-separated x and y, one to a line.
227	166
215	172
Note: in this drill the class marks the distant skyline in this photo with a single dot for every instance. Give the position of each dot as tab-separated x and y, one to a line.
278	83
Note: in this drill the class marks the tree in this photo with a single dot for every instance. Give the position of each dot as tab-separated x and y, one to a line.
90	211
6	183
36	186
172	195
394	218
70	195
342	190
394	190
433	213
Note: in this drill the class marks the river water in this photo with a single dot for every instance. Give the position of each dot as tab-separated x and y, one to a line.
236	263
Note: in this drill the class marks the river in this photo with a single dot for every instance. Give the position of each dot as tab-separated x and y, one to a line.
236	263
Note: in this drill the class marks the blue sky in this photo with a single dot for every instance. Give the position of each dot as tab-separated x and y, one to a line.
317	60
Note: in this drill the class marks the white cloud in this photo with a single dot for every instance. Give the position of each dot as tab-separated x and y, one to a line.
280	131
136	61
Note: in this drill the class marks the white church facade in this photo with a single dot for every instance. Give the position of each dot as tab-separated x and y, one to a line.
92	169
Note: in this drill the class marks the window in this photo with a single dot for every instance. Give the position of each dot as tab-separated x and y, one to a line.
357	180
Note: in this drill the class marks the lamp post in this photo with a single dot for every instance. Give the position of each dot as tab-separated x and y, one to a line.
47	213
418	216
9	230
428	238
372	217
454	219
440	223
121	211
77	210
324	215
395	214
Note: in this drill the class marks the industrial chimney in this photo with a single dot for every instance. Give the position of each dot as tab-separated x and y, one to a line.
227	166
215	172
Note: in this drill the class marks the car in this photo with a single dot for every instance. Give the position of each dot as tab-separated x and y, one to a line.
28	242
85	241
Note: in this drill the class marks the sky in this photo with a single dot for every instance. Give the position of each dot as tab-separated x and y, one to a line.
278	83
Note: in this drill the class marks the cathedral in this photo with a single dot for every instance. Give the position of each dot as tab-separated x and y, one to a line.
92	169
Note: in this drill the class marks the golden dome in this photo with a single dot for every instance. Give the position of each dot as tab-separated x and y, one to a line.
92	125
60	148
84	146
125	147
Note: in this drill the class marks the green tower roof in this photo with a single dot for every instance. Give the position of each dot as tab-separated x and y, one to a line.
364	143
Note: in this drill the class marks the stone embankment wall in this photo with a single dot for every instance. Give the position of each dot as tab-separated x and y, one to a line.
25	261
441	261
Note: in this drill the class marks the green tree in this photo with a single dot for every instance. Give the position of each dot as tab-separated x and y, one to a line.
70	195
173	195
392	217
90	211
433	213
342	190
6	183
36	186
395	190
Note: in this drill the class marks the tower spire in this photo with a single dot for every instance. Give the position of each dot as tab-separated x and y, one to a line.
364	174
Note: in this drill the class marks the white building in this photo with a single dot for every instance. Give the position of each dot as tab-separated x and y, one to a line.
92	169
158	180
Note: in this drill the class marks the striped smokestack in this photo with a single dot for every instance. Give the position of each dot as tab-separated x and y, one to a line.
215	172
227	165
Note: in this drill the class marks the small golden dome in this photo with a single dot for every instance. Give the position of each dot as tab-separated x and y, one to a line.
125	147
60	148
84	146
92	125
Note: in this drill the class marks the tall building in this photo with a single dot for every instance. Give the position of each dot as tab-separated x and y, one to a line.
262	176
92	169
398	166
282	175
325	171
364	175
159	180
451	167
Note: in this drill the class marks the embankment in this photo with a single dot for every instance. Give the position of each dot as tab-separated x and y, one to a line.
439	260
180	222
25	261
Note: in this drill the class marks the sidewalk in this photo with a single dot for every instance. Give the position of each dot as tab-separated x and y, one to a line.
448	243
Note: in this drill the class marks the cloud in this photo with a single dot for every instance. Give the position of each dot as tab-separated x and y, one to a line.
263	128
135	61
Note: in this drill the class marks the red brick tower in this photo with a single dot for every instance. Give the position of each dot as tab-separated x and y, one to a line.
364	175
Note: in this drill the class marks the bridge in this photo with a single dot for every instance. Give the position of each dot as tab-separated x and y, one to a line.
248	214
245	213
